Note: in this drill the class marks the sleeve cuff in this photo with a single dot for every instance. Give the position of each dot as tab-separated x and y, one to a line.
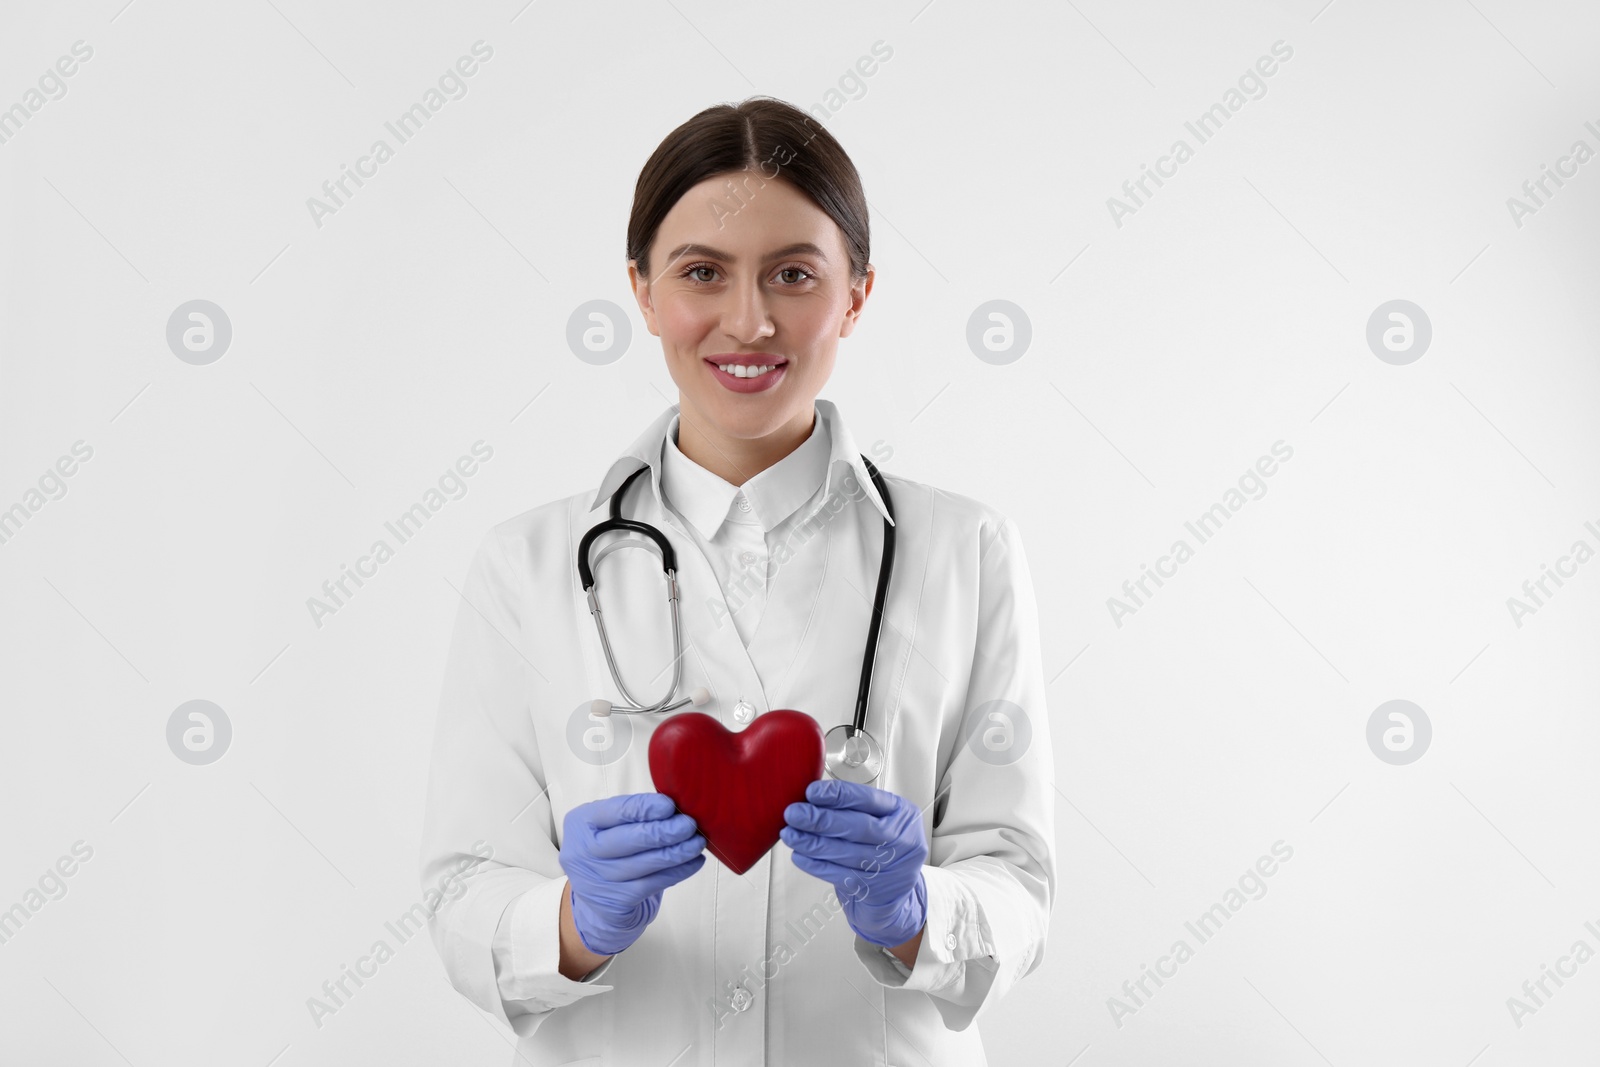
951	936
527	952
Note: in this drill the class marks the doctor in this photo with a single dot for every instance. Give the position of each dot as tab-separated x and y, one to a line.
890	916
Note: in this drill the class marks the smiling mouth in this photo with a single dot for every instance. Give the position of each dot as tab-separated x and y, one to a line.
740	370
748	372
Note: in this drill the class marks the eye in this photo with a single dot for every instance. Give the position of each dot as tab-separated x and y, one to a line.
692	271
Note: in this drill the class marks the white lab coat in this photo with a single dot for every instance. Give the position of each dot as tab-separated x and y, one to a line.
761	968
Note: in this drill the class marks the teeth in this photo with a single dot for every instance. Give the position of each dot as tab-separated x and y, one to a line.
745	372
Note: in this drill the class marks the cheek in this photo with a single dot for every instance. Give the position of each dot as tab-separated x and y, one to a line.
812	324
681	321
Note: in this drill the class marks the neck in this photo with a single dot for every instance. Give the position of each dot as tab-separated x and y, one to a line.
736	459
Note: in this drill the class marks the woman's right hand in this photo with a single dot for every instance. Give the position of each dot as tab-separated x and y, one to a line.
620	854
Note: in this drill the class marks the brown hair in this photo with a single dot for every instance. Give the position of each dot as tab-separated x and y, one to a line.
764	134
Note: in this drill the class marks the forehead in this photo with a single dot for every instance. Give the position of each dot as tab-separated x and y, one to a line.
746	215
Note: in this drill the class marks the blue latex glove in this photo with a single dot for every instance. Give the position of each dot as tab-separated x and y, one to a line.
870	844
620	854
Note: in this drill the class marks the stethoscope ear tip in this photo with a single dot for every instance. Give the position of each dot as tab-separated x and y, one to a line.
600	708
701	696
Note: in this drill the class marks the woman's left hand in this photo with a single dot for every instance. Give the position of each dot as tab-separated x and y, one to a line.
870	844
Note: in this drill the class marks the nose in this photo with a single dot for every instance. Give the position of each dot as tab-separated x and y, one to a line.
745	314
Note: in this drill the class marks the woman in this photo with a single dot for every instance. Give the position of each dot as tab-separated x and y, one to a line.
890	914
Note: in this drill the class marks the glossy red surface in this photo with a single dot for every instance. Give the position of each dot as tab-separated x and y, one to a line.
736	785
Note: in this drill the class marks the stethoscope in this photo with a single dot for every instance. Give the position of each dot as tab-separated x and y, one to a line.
850	752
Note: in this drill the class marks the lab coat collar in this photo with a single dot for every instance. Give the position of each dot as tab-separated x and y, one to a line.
705	499
647	451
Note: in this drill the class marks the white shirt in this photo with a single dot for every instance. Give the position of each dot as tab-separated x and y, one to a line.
760	968
735	526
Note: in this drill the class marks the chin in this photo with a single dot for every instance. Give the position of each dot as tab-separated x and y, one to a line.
748	421
756	417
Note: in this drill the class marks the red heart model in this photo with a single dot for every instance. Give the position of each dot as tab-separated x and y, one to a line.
736	785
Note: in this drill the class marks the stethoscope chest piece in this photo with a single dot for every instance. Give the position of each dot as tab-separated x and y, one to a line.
852	754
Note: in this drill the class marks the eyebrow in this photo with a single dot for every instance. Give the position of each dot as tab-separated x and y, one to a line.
798	248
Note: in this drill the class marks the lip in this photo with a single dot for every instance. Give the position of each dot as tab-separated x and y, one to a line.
747	359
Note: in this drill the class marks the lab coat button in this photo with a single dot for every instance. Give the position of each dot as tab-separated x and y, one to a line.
744	711
744	505
741	999
950	941
747	558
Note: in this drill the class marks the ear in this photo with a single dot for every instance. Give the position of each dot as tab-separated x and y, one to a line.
641	293
859	291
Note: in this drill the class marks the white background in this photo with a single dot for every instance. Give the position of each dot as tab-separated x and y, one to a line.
1168	353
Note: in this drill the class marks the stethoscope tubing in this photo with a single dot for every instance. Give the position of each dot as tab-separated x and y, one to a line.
669	567
885	567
